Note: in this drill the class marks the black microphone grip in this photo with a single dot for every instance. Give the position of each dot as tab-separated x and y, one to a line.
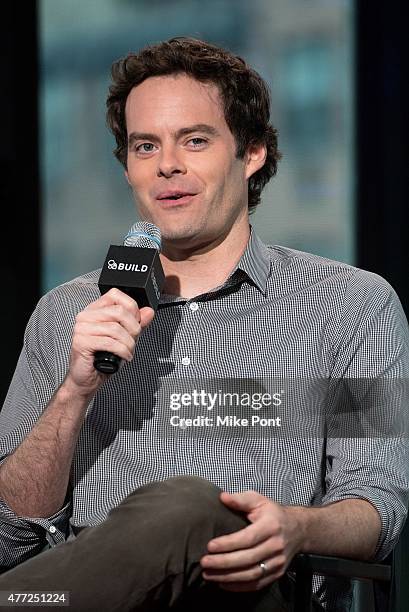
106	362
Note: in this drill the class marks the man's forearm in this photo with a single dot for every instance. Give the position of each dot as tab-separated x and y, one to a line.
34	479
348	528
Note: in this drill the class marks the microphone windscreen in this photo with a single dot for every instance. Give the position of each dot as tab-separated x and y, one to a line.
144	235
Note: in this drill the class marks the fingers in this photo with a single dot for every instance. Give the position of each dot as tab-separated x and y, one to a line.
114	296
244	538
115	308
275	567
248	586
125	305
107	336
247	501
244	558
115	313
112	323
234	560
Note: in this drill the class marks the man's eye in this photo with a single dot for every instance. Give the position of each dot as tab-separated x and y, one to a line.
197	142
145	147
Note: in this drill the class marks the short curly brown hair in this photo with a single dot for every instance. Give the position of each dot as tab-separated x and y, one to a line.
245	97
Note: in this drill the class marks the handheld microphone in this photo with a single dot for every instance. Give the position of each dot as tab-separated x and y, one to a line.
136	271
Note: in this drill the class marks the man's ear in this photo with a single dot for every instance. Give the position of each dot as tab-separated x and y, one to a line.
255	158
127	177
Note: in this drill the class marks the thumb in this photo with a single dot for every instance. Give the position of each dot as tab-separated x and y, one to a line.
147	313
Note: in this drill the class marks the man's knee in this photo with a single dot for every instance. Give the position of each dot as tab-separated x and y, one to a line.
186	490
179	492
181	501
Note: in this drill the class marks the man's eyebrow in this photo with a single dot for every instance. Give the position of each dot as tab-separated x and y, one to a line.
198	127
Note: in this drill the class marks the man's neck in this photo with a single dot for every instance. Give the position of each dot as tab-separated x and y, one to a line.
198	272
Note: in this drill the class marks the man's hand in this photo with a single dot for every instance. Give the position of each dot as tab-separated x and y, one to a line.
111	323
273	538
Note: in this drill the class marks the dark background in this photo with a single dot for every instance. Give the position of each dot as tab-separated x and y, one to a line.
19	180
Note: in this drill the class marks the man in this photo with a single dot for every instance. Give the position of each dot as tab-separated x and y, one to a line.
192	127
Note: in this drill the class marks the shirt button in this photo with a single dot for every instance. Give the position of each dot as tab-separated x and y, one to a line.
194	306
52	529
186	361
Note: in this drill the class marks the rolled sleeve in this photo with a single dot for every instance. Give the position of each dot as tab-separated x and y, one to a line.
376	470
23	537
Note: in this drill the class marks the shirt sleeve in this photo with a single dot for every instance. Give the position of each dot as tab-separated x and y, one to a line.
31	389
23	537
371	462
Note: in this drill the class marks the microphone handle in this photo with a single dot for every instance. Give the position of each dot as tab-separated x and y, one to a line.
106	362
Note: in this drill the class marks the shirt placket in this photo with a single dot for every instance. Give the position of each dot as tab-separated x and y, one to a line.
186	356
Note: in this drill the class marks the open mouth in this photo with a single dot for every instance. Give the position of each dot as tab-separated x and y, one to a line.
172	198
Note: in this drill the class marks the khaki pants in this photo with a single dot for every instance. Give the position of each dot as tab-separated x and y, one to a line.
145	556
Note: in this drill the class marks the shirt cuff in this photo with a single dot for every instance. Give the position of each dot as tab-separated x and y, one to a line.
56	525
24	537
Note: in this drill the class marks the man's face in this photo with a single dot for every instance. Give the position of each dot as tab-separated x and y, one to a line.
182	163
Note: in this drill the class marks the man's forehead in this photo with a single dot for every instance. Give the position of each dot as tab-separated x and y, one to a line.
173	92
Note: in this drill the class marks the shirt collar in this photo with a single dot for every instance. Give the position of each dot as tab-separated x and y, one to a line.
255	261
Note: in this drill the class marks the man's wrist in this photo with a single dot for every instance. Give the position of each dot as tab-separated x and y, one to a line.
72	394
300	519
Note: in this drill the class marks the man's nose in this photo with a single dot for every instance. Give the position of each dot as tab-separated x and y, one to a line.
170	162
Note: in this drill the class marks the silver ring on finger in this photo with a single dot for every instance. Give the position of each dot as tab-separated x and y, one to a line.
263	568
